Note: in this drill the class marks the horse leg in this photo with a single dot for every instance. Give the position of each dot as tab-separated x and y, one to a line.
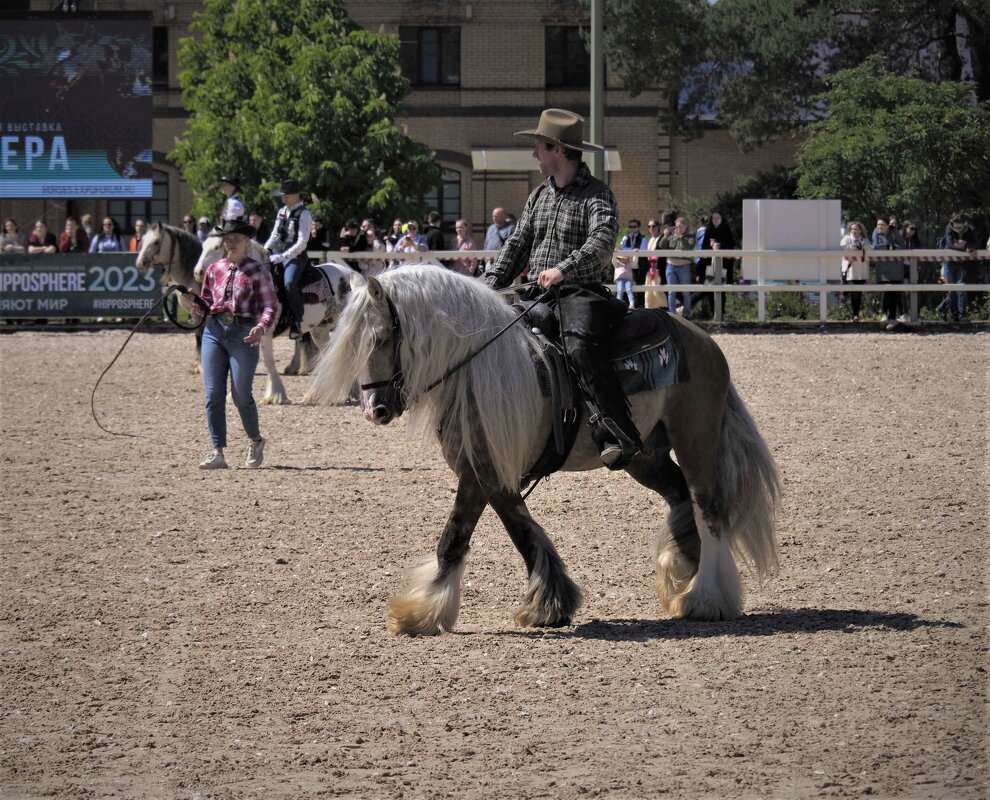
432	601
715	591
308	351
551	598
318	338
274	389
677	548
292	368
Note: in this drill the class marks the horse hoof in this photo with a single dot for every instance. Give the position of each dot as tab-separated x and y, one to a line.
702	607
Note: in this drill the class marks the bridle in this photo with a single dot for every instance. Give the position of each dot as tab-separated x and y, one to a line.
396	383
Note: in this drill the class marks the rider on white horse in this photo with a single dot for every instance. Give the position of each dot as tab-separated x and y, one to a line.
287	246
566	234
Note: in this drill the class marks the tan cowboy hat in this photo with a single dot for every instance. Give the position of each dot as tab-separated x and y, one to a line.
565	128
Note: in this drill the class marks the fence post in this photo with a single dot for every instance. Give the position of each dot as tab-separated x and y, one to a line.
717	297
913	276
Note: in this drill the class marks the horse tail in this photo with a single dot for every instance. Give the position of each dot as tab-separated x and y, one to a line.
747	488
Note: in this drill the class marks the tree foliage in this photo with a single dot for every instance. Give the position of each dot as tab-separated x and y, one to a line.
760	65
898	144
294	89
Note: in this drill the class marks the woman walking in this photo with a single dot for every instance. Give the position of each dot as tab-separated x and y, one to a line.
240	295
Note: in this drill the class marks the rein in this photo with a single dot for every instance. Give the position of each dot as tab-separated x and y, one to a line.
397	380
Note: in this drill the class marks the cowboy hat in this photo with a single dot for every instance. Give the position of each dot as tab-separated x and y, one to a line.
564	128
233	226
288	187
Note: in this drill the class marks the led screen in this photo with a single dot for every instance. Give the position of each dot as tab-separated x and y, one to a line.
75	109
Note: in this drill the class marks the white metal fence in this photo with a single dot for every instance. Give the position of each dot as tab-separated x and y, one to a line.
761	287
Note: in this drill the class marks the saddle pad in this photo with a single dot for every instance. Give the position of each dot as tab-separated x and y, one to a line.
661	365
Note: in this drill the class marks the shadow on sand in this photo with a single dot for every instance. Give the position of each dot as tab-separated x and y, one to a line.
797	620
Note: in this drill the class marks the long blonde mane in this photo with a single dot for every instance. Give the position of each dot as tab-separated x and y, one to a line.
488	411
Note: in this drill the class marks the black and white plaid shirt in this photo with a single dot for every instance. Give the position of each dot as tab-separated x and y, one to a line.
573	229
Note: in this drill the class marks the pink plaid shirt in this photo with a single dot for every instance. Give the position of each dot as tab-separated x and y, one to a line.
244	289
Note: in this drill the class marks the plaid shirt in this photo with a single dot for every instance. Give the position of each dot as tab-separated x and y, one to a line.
244	289
573	229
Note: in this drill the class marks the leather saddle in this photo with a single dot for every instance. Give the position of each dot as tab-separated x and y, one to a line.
644	349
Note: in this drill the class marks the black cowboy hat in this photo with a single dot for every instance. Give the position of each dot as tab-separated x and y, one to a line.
233	226
231	179
288	187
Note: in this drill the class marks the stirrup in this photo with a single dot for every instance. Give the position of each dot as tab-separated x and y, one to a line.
620	449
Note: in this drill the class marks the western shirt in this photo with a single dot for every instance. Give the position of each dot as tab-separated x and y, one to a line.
572	228
244	289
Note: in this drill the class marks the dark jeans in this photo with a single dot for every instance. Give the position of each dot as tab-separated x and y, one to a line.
855	298
891	303
293	294
587	315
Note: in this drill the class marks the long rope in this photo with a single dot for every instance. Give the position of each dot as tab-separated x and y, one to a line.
92	397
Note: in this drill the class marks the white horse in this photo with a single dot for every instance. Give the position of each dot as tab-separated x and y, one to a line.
319	315
183	258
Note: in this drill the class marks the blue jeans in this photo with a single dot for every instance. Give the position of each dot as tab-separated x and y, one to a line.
679	274
226	353
954	302
293	294
623	286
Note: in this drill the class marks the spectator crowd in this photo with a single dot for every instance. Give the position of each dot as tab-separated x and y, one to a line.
866	255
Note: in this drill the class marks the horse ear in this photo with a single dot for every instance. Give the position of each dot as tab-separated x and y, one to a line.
357	280
375	289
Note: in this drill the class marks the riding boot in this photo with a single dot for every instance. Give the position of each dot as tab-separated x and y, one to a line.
612	427
586	321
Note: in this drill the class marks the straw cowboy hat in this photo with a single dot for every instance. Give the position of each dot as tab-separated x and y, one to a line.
564	128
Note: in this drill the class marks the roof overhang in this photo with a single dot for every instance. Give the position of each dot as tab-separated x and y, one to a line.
520	159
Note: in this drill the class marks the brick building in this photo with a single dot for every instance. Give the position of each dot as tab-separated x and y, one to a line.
480	71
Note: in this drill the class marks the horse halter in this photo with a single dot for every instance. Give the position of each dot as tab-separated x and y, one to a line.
396	383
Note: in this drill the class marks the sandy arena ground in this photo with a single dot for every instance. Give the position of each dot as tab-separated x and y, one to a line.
172	633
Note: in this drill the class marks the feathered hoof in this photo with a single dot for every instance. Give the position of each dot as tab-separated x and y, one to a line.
406	618
703	607
526	617
290	370
275	400
674	574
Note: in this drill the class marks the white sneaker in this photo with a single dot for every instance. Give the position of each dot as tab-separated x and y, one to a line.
214	461
256	453
904	319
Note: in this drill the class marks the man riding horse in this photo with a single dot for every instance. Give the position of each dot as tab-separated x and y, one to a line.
567	234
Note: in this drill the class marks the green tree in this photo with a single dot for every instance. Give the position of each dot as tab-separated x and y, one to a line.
898	144
758	66
293	88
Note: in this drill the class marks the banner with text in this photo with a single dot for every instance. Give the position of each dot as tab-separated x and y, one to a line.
75	119
36	286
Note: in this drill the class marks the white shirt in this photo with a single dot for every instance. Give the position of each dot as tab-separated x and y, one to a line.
302	233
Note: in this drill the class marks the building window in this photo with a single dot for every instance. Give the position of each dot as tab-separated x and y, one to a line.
153	210
446	199
568	62
159	57
431	56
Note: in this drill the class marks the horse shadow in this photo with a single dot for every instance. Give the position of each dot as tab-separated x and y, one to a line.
291	468
770	623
